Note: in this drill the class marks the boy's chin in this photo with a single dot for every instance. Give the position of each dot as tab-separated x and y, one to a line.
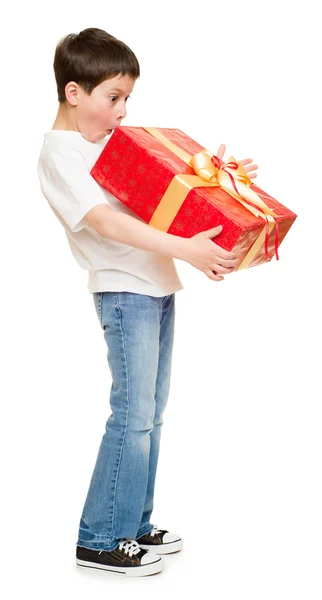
98	137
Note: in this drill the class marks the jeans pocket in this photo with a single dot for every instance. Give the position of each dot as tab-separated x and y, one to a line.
97	297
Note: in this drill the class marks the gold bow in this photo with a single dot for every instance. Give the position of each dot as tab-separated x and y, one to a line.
230	176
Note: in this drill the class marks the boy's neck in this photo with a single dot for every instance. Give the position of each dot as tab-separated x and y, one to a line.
64	119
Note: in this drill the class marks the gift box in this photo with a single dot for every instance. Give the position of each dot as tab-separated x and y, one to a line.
177	186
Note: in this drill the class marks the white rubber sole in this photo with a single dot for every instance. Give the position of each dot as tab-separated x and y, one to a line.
166	548
148	569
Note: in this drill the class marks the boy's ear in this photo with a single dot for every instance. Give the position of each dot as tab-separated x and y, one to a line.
72	93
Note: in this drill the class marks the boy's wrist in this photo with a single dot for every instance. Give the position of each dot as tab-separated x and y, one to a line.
180	249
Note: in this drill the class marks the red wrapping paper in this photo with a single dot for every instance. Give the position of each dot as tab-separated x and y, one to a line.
137	169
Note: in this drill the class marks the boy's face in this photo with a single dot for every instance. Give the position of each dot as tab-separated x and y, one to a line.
98	114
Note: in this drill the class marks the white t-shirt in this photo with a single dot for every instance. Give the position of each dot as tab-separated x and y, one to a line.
65	161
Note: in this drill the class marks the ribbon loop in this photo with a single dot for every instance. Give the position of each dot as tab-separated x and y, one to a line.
204	167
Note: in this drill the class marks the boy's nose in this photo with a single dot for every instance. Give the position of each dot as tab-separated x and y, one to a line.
122	112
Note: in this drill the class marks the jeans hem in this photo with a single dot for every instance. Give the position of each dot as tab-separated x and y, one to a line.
97	547
145	531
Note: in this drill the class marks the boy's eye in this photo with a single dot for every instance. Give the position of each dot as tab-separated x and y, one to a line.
115	98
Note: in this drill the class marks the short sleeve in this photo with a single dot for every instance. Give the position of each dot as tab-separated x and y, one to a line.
69	187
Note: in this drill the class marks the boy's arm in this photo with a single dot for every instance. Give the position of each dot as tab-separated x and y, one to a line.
199	250
125	229
77	198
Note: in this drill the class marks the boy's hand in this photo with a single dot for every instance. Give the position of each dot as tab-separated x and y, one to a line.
205	255
250	168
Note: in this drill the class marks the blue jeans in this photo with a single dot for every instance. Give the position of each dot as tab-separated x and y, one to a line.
139	332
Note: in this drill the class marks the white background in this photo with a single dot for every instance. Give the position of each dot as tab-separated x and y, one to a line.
239	475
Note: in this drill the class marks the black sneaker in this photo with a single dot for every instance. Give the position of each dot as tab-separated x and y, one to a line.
127	559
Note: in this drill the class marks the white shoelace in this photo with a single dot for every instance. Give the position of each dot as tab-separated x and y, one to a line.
130	546
154	531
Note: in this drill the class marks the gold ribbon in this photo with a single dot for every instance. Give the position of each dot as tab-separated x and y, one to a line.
230	176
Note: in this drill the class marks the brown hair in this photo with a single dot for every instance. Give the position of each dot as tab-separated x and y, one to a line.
90	57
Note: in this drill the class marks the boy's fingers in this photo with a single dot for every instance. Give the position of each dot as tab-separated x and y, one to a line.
245	161
251	168
226	254
213	275
224	270
221	151
229	264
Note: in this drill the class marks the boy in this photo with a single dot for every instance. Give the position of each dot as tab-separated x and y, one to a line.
133	279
